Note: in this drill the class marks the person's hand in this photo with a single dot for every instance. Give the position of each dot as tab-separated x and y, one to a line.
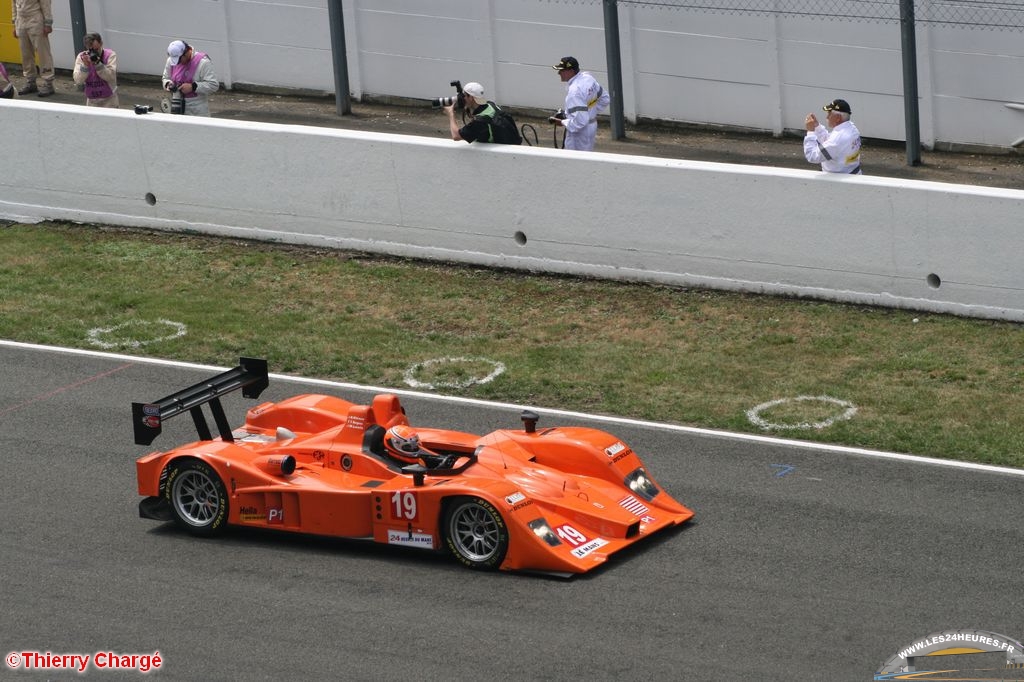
185	88
811	122
47	30
450	110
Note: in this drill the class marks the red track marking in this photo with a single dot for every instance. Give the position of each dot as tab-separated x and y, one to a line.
55	391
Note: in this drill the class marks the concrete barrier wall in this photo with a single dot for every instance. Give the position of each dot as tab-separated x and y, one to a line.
901	243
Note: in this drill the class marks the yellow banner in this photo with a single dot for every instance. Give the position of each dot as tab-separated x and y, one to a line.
10	53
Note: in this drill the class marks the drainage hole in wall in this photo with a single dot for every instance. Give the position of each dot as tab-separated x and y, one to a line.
520	238
934	281
150	198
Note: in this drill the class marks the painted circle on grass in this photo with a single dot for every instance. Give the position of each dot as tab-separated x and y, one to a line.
136	333
848	410
451	372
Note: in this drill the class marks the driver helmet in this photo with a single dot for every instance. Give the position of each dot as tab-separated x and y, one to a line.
403	443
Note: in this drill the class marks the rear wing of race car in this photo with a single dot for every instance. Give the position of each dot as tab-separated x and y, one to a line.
250	376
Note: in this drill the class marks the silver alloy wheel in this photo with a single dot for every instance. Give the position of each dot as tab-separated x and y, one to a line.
474	531
196	498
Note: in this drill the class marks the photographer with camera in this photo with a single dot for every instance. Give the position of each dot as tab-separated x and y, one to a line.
96	72
488	123
189	77
584	100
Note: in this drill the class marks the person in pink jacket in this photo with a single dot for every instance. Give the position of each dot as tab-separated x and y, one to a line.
96	72
190	79
6	87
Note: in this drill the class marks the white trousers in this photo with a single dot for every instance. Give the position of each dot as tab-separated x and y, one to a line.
582	140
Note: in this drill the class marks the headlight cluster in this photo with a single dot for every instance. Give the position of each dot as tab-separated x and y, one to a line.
638	482
544	532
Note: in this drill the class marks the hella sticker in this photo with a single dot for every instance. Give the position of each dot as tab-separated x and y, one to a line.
250	514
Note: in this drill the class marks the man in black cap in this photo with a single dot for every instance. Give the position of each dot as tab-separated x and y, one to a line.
584	100
838	149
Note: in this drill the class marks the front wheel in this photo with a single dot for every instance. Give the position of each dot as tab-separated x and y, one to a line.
197	497
475	533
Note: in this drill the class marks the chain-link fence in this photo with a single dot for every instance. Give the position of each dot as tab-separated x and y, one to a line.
976	14
874	10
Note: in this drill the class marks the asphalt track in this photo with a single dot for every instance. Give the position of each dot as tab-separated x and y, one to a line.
803	563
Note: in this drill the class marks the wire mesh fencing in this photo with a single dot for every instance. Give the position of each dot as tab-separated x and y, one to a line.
973	14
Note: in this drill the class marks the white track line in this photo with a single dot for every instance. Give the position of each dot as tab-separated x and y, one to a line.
768	440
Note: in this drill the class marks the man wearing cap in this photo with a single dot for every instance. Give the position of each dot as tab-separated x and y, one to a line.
481	128
584	100
838	149
33	24
189	75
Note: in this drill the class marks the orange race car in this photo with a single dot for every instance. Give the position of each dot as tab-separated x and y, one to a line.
557	499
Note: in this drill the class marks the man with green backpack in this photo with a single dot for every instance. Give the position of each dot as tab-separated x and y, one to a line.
489	122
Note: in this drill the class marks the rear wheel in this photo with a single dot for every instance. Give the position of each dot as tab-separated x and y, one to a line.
475	533
197	497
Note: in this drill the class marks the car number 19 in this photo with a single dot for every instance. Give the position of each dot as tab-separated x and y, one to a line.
571	535
403	506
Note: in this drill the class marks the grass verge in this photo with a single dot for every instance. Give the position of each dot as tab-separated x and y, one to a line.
925	384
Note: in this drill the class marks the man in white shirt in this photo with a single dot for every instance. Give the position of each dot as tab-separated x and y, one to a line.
584	100
838	149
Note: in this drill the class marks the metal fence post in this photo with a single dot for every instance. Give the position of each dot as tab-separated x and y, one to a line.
78	29
614	58
911	112
340	54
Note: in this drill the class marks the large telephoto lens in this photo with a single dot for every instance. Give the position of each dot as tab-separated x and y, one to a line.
442	102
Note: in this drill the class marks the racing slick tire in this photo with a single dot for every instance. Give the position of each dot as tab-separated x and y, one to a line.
197	497
475	533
